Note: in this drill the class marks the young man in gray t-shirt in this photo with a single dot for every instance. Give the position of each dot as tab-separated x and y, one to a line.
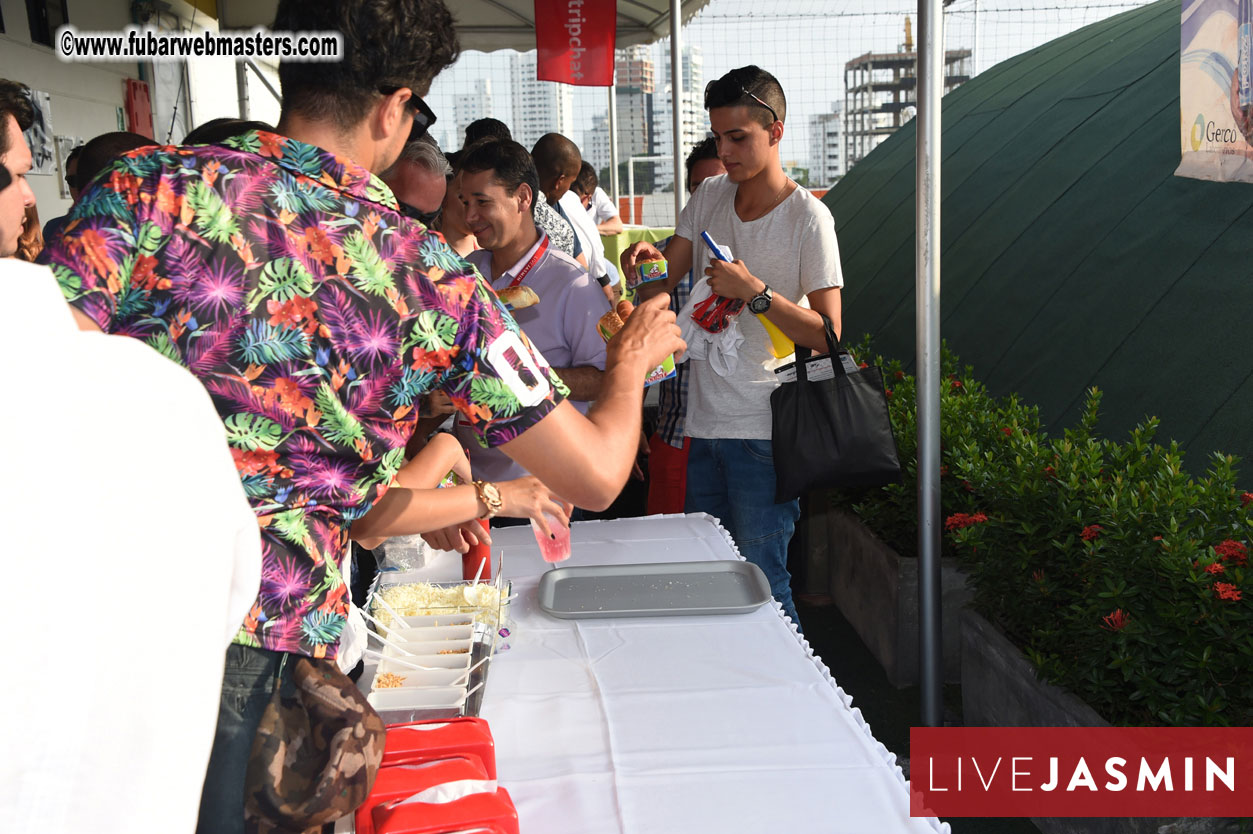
786	270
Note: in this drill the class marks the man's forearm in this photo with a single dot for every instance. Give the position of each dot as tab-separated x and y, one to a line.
584	382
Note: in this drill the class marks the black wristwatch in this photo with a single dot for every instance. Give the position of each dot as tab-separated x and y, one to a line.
760	303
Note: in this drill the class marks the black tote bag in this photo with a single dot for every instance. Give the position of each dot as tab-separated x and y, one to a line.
831	432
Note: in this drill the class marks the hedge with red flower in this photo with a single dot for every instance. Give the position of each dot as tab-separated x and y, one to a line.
1119	574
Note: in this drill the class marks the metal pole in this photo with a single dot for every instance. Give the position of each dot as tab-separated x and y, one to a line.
613	134
241	90
676	99
927	292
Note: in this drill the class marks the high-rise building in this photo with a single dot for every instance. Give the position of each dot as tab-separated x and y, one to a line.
695	121
634	88
539	107
473	106
595	145
826	147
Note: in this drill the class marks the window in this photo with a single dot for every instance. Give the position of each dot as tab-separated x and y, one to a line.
45	16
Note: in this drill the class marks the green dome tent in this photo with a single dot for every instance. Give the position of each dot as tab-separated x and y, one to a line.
1072	255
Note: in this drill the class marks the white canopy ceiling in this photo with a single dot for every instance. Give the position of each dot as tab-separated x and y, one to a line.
488	25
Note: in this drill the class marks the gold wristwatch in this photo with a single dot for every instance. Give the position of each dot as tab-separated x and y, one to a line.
489	494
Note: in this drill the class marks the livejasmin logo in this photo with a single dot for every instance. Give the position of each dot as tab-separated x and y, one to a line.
1081	771
1162	778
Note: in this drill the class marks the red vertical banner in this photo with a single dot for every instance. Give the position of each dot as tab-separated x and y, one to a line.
575	41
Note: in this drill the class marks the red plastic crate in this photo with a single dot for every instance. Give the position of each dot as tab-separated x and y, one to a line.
490	813
405	780
426	740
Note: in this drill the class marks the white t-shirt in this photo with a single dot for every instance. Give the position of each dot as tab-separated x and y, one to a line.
585	230
793	249
603	206
132	558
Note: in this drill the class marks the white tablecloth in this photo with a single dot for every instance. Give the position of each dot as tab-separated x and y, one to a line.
690	725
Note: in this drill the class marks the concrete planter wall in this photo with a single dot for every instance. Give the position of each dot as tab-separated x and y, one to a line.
1000	689
877	592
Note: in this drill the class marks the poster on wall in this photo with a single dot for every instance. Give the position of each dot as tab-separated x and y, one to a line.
1216	90
65	144
43	149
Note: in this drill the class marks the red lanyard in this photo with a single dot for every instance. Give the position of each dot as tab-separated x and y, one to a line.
539	253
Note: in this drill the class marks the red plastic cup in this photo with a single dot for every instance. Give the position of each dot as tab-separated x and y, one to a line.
478	554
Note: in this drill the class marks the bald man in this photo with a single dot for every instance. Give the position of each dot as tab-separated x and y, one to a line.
557	161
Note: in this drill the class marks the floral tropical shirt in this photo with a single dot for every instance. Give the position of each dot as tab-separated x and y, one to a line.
316	316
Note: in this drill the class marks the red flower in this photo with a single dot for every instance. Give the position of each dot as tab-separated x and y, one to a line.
863	364
1038	576
1232	551
1246	499
888	392
1006	430
1225	590
1091	532
956	384
1050	472
1216	568
943	470
957	521
1115	620
969	486
901	375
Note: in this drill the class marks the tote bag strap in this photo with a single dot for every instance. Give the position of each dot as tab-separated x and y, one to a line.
803	352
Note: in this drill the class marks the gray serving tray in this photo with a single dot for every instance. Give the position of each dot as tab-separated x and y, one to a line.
653	590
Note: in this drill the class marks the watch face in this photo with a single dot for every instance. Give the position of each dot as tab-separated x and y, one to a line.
759	304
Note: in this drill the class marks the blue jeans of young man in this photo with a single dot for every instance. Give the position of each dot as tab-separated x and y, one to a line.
246	689
734	480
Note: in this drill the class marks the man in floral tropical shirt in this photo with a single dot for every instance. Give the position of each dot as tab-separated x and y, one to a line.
278	270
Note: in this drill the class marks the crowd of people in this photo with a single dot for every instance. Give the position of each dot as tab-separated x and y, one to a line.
336	287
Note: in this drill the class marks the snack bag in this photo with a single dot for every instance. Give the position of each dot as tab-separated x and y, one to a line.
609	325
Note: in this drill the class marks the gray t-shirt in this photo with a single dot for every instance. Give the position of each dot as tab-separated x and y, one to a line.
562	327
793	249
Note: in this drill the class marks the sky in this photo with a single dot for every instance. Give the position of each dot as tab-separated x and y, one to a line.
805	43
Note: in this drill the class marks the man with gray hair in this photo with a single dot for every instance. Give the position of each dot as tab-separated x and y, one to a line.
419	179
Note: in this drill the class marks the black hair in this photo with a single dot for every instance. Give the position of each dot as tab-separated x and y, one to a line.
13	102
707	148
387	43
586	182
554	155
510	164
486	129
738	87
99	153
216	131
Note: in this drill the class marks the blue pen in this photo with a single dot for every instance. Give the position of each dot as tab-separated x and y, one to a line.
713	247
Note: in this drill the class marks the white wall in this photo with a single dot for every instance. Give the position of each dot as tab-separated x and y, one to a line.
84	97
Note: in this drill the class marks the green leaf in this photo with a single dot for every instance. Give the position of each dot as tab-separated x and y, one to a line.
264	344
291	525
281	279
162	344
492	392
252	431
337	426
148	241
368	270
320	627
432	331
213	218
71	285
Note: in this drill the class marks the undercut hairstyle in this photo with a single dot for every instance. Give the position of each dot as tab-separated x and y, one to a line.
99	153
707	148
425	153
217	131
510	164
387	43
486	129
556	156
13	102
587	181
738	87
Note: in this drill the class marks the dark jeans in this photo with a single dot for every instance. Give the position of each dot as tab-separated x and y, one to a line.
246	689
733	480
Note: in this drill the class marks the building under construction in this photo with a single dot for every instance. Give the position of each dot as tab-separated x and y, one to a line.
881	93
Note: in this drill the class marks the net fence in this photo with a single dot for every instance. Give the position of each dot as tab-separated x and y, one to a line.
807	44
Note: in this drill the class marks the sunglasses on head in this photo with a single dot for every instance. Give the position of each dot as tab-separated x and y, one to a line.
426	218
6	179
423	116
743	92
